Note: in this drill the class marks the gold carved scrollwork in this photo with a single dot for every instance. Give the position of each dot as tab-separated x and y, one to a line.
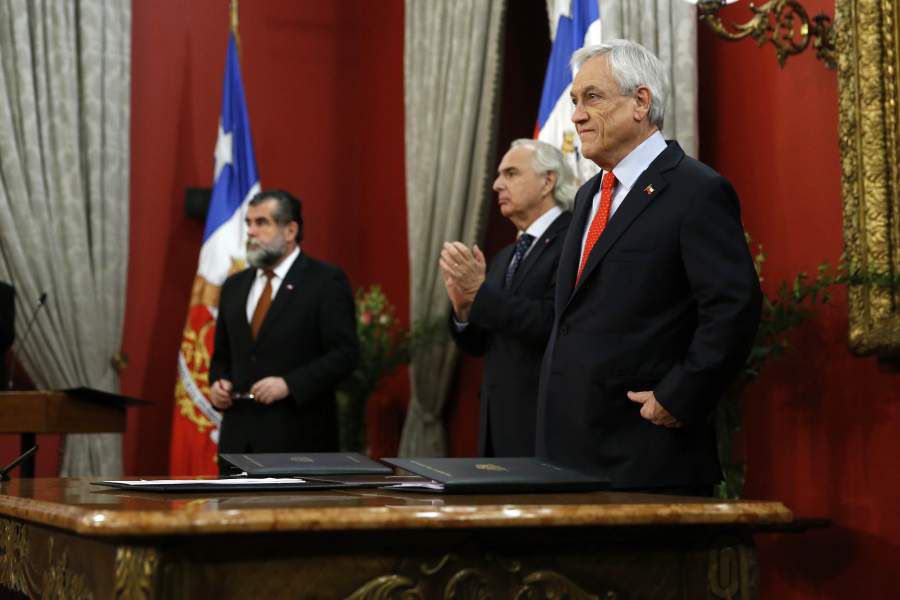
476	583
135	572
867	93
388	587
467	584
729	573
61	583
15	570
547	584
783	23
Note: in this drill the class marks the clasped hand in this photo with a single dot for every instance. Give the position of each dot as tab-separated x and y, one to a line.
463	271
265	391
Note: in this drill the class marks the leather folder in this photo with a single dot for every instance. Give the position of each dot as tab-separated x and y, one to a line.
492	475
308	464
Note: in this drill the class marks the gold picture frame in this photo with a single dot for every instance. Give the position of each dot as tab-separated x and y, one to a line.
867	38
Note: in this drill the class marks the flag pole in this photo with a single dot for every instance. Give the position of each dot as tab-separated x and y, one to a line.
234	25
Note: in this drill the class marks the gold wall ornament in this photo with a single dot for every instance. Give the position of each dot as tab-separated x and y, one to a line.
135	572
868	101
783	23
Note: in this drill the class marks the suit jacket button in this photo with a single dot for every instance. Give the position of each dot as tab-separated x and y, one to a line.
564	330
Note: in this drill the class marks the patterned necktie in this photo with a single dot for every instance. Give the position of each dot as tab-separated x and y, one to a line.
522	246
600	219
262	306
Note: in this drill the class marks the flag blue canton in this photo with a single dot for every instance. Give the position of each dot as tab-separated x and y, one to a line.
570	32
238	174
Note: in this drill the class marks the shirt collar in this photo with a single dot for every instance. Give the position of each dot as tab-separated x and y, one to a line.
540	225
637	161
284	266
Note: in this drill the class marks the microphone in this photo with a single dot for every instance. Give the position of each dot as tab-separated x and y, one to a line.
12	368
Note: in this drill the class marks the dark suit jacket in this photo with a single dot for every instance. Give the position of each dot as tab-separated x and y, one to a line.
308	337
510	328
669	301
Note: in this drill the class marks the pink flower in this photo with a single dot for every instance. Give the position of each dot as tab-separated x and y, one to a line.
365	318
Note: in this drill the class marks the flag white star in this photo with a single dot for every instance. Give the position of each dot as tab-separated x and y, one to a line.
223	151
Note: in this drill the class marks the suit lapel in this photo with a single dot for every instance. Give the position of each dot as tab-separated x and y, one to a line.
540	246
571	252
648	186
497	272
242	326
285	294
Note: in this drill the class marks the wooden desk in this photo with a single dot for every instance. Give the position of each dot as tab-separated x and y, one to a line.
66	538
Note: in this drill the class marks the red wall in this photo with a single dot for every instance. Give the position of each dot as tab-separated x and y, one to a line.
324	88
821	425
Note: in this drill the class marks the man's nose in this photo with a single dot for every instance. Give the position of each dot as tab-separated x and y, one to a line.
579	115
498	183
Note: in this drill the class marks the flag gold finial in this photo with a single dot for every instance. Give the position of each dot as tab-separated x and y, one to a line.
234	24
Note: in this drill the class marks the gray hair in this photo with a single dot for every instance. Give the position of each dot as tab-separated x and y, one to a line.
548	157
632	66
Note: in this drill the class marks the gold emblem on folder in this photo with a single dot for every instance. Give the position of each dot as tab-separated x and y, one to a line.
301	459
489	467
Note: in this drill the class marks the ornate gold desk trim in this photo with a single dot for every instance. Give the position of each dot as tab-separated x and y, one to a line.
136	570
783	23
867	87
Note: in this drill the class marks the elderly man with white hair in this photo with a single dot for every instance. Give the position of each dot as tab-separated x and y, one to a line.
505	312
657	298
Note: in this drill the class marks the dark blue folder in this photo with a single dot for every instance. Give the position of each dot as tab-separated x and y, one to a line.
305	464
493	475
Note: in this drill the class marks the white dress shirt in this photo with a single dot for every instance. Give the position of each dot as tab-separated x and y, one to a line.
627	172
259	284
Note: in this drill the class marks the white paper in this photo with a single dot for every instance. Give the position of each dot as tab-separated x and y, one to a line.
232	482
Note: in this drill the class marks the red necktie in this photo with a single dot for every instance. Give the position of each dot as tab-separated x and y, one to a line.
262	306
600	219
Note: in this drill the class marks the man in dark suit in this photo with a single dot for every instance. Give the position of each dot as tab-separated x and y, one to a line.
506	315
7	327
657	298
285	337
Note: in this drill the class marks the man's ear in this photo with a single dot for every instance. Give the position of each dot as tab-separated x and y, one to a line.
643	100
550	178
291	230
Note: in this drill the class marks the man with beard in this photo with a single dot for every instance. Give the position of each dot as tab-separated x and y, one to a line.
285	337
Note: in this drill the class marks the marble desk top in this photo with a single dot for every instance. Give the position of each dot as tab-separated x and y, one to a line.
77	506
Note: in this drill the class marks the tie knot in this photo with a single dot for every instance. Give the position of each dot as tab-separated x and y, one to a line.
269	273
525	240
609	181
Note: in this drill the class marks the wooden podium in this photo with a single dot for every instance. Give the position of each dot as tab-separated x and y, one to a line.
78	410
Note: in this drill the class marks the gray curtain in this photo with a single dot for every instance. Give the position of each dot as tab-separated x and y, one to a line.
452	71
667	28
65	77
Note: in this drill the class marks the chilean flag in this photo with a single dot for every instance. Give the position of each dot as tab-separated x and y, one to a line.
195	424
577	25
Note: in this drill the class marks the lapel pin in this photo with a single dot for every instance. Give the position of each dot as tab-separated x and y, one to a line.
289	287
649	190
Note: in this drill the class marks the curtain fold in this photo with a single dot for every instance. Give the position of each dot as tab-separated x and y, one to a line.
65	72
668	28
452	69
